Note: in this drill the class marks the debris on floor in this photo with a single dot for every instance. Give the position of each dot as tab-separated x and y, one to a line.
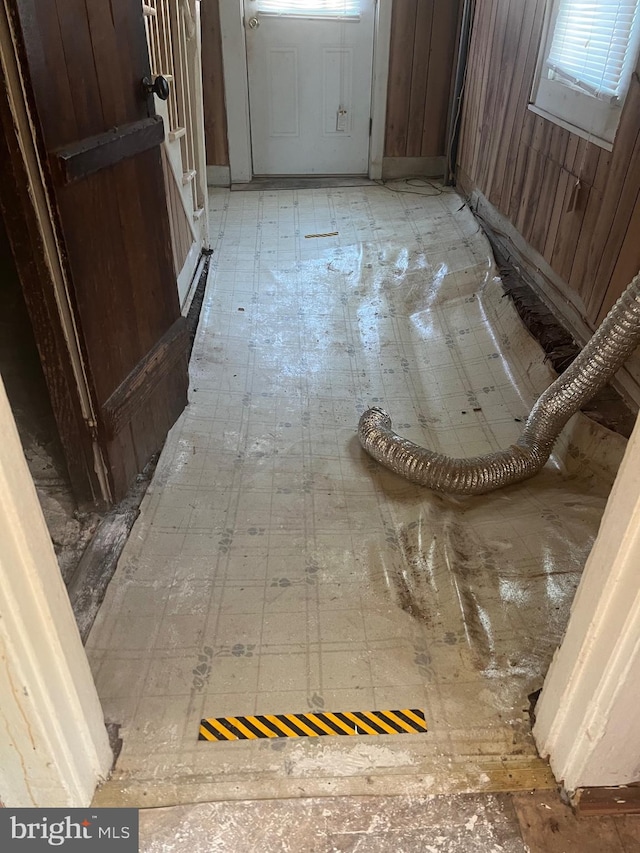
276	569
607	407
70	528
405	824
527	822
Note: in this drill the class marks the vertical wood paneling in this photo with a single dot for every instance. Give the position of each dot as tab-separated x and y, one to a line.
483	68
548	190
403	32
619	197
581	264
519	120
628	262
508	97
419	75
444	39
215	112
422	51
494	88
512	200
575	203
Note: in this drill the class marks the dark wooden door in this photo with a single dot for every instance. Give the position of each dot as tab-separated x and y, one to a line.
84	61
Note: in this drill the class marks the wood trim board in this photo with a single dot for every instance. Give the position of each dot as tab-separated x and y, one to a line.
89	155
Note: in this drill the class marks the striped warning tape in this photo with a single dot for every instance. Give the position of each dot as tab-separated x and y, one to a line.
408	721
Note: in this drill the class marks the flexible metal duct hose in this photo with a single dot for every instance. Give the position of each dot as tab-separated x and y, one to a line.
609	348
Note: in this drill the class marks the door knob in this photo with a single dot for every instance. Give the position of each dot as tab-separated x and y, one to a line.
159	86
253	23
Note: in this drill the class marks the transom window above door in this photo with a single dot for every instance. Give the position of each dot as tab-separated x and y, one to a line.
308	8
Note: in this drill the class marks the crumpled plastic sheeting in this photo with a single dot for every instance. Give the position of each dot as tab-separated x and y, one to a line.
503	568
275	568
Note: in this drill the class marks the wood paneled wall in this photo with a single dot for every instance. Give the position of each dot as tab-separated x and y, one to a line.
215	112
422	50
528	167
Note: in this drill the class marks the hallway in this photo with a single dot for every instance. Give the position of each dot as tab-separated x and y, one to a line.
276	569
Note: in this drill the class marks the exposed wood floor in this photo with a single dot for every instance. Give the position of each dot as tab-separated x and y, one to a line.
536	822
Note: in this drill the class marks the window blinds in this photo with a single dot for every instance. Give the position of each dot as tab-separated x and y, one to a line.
595	45
313	8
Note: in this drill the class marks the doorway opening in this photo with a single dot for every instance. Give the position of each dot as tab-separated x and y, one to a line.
305	95
309	75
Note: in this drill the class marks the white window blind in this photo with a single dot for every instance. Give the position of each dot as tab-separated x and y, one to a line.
312	8
595	45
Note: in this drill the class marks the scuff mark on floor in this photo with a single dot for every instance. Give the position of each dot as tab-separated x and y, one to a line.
330	760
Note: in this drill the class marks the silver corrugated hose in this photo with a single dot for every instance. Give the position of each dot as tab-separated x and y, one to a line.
609	348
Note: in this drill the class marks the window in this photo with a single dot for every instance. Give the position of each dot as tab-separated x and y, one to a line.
309	8
585	65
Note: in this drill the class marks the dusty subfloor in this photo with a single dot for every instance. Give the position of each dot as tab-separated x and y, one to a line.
527	822
276	569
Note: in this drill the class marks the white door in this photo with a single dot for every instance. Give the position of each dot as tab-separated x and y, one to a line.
310	68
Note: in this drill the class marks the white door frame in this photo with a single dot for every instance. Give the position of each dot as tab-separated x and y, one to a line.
236	88
587	720
54	748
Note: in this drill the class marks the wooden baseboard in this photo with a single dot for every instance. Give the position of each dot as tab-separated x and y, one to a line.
622	800
408	167
218	176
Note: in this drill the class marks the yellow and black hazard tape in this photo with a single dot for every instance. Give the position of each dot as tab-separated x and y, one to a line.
346	723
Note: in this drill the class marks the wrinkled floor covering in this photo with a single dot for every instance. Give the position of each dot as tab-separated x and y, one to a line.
276	569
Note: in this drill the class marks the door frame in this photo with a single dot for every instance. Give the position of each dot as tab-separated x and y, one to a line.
236	88
56	749
586	718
